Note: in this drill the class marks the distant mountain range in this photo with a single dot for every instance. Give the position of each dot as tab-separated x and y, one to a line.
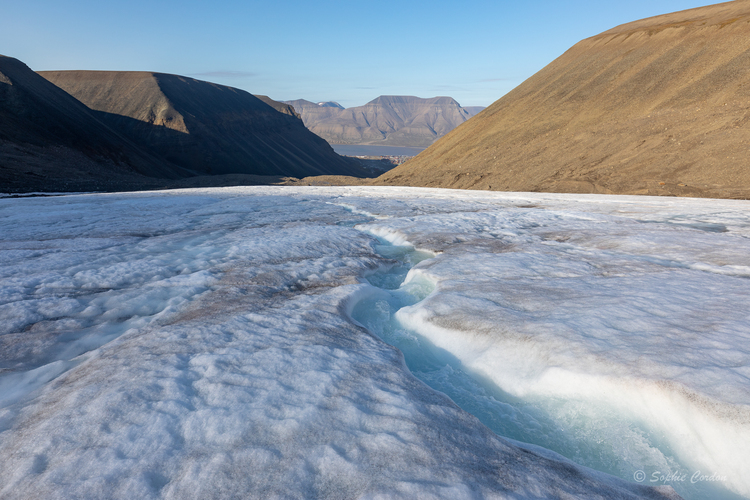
102	130
387	120
659	106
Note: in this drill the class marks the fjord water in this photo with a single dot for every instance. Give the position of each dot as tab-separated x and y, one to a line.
366	150
591	434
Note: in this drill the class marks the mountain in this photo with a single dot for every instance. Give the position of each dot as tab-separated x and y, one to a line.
473	110
50	141
207	128
311	112
330	104
387	120
281	107
657	106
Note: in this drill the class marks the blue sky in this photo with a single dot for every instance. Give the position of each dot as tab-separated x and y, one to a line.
350	52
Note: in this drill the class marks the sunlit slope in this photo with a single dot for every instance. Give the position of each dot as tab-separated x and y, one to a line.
657	106
208	128
387	120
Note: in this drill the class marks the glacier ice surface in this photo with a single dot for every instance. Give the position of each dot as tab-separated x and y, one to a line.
197	343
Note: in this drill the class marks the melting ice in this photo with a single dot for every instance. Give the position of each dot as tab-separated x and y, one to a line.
210	343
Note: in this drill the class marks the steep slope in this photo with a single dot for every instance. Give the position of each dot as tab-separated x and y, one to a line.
657	106
387	120
51	141
281	107
208	128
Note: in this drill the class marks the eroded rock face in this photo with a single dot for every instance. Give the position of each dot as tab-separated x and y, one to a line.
659	106
387	120
201	126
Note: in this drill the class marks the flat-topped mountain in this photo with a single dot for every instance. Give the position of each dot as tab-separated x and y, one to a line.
50	141
208	128
99	130
656	106
387	120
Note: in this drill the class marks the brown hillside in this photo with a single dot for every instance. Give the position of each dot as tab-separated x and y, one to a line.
659	106
207	128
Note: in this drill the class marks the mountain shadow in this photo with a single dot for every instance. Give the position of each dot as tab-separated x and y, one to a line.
49	141
206	128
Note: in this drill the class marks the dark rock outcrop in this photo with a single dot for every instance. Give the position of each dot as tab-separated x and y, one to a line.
49	141
204	127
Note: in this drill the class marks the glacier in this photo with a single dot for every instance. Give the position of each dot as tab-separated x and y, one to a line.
239	342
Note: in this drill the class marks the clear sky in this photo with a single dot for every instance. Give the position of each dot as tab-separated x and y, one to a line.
347	51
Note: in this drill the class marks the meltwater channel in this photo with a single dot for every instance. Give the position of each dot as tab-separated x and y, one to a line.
592	436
